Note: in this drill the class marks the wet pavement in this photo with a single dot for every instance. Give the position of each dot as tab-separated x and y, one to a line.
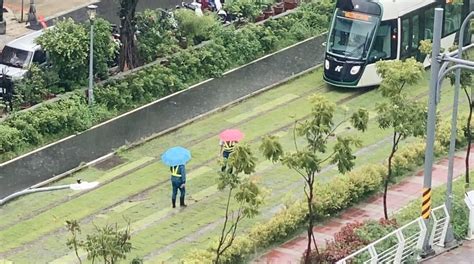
159	116
399	195
463	254
108	9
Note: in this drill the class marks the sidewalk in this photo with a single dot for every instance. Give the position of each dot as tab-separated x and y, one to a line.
461	255
44	9
398	196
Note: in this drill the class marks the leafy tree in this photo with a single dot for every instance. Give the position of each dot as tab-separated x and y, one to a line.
194	28
108	243
400	114
307	161
33	88
67	47
105	49
248	196
73	242
156	34
128	50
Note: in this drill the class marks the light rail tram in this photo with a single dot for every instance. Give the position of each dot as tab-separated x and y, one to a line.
365	31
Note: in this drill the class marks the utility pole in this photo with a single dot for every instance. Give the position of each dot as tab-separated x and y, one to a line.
430	133
449	240
441	65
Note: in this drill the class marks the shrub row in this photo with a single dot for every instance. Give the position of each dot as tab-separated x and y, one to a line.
351	238
230	48
332	197
355	236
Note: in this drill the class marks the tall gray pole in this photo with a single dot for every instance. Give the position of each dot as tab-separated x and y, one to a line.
430	131
90	90
450	241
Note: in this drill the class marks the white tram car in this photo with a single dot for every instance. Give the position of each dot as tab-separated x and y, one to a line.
365	31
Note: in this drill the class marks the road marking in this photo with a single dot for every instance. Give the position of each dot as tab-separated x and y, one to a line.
264	107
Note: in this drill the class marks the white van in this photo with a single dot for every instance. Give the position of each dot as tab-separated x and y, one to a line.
18	55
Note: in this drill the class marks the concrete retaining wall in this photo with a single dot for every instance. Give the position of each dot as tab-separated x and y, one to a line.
159	116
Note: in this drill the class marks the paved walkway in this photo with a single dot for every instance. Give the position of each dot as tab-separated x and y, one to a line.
461	255
399	195
45	9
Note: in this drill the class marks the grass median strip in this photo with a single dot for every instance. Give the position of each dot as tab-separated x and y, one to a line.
146	203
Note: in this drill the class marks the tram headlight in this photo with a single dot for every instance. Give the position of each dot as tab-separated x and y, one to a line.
355	70
326	64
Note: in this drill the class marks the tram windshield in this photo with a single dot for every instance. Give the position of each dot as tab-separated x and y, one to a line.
351	34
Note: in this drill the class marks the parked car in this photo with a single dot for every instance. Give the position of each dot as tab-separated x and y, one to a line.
19	54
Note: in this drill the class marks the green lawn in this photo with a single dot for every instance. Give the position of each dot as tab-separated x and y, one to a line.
32	227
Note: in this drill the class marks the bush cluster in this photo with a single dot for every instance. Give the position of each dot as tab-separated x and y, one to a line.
334	196
230	48
351	238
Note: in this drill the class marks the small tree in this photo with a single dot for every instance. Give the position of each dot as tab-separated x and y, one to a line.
73	242
196	29
128	50
248	196
67	45
108	243
67	48
156	37
307	161
405	117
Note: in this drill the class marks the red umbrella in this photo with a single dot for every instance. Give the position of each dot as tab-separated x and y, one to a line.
231	135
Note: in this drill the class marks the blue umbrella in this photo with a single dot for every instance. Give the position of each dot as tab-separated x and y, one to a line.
176	156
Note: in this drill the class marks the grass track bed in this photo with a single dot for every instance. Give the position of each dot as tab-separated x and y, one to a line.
154	223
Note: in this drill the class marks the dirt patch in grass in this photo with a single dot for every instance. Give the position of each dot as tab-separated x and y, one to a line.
110	163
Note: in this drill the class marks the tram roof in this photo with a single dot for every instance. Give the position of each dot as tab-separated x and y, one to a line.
396	8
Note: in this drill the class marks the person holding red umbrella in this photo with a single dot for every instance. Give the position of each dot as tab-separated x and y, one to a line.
228	139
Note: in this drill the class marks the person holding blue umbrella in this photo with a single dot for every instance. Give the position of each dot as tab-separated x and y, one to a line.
176	158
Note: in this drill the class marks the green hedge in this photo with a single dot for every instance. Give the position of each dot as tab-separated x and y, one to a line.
230	48
332	197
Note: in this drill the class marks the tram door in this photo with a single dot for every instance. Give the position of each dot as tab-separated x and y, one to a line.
411	36
416	26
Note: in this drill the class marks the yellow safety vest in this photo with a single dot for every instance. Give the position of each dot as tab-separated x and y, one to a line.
229	146
174	171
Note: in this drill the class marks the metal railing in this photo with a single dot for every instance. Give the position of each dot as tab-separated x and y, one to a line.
441	219
399	245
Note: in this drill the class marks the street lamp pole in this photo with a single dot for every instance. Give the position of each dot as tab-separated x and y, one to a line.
90	91
430	130
450	241
440	67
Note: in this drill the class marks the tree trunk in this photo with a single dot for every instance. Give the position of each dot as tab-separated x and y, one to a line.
222	238
128	50
469	142
311	238
389	174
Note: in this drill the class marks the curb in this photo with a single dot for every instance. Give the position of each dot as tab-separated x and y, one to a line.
169	130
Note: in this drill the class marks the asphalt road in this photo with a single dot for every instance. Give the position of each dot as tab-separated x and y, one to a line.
158	117
108	9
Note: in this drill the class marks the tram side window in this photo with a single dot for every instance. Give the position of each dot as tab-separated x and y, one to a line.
383	44
429	23
452	21
416	33
405	47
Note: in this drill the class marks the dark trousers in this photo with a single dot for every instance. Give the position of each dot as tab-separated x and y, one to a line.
176	183
225	155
